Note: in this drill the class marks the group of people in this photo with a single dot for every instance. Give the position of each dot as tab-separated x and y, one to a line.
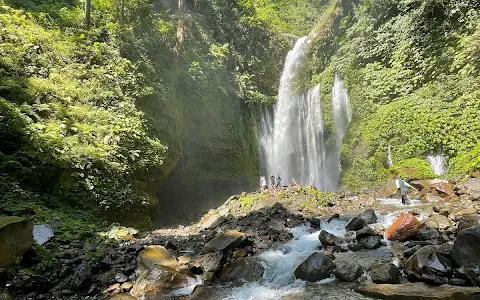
275	181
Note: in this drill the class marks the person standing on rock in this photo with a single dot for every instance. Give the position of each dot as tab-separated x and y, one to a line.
278	181
263	183
272	181
402	187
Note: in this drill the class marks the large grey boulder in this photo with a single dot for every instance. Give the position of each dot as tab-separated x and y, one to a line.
244	269
355	224
371	242
15	239
427	264
224	241
347	271
368	216
316	267
466	247
385	273
328	239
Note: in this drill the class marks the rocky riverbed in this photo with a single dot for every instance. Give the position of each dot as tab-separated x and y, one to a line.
339	246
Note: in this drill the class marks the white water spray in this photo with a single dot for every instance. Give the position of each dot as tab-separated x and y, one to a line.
438	163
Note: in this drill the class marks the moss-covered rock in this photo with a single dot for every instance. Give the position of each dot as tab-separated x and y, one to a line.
15	239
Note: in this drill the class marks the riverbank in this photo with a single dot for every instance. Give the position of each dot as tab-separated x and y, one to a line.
228	246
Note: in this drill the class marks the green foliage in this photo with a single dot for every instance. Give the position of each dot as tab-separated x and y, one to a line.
321	198
249	200
466	163
412	79
413	168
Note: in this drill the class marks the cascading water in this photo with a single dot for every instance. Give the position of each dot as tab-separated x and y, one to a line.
389	156
438	163
291	138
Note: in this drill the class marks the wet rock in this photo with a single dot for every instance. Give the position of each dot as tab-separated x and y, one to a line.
210	262
27	281
113	290
419	291
340	248
468	221
385	273
355	224
366	231
427	234
244	269
332	217
350	236
432	198
156	256
465	249
81	278
442	222
368	216
212	221
156	282
430	224
428	265
371	242
354	247
328	239
224	241
347	271
316	267
404	227
15	239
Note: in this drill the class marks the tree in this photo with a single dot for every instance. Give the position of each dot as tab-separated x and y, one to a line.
88	7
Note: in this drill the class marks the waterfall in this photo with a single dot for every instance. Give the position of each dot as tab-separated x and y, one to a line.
438	163
291	134
389	156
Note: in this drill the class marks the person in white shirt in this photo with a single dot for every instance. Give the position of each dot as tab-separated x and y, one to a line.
402	187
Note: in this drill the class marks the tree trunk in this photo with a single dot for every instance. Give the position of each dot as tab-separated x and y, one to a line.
88	7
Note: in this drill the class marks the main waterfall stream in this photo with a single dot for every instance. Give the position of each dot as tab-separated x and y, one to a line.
292	135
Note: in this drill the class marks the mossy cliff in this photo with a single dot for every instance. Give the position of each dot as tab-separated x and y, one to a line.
412	80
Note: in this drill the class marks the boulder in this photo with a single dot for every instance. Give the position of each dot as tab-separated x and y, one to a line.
212	221
328	239
468	221
428	265
355	224
244	269
465	249
432	198
332	217
350	236
427	234
347	271
444	189
472	272
458	213
419	291
442	222
224	241
371	242
368	216
210	262
158	257
15	239
316	267
385	273
472	186
404	227
366	231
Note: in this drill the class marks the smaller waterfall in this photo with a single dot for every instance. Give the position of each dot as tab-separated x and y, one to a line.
438	163
389	156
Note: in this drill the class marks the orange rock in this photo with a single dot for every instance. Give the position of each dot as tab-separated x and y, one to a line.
405	226
444	189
